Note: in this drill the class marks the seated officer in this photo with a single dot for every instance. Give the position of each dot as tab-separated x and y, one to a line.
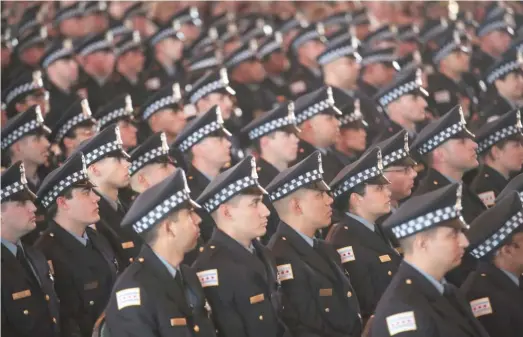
24	138
500	145
24	92
30	306
418	301
311	273
494	289
316	116
361	196
237	272
85	266
108	169
378	68
119	111
158	295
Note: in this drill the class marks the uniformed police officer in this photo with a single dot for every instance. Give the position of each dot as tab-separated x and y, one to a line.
276	63
494	289
24	92
158	295
361	196
319	298
238	274
418	301
317	117
500	145
30	306
378	68
85	266
108	169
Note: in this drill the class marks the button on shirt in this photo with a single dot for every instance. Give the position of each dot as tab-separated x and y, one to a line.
365	222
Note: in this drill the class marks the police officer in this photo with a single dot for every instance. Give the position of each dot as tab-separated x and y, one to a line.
500	145
276	64
29	303
494	288
163	112
238	274
29	49
317	117
319	297
119	111
24	92
158	295
24	138
361	196
85	265
418	301
108	169
378	68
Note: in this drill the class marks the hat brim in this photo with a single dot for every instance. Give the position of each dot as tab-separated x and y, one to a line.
465	133
378	180
405	161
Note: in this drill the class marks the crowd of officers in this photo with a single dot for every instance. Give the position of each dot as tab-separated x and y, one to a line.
271	169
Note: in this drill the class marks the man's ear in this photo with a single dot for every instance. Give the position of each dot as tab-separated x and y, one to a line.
142	180
61	202
94	169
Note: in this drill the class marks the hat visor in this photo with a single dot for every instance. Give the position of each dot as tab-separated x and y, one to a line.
457	223
322	185
378	180
465	133
294	129
85	183
194	204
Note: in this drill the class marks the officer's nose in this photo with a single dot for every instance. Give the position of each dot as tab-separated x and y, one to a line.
463	241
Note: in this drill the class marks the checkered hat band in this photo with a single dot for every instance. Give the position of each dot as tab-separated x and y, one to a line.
204	64
356	180
120	30
128	46
296	183
73	12
206	90
240	57
160	211
346	119
98	153
495	240
9	190
19	133
313	110
270	127
491	27
435	31
198	135
58	188
27	25
94	47
397	92
336	54
443	52
384	35
440	137
305	38
145	159
379	58
113	115
158	105
20	90
497	137
269	48
502	71
228	192
24	44
69	125
425	221
61	53
394	156
163	35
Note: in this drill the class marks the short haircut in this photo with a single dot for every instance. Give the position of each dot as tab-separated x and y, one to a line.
343	203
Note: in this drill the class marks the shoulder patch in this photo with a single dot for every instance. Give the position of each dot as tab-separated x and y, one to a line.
128	298
208	278
401	322
488	198
285	272
346	254
152	83
298	87
481	307
442	96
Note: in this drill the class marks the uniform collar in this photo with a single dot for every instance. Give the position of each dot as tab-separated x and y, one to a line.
438	285
167	265
82	239
307	239
452	180
365	222
511	276
13	248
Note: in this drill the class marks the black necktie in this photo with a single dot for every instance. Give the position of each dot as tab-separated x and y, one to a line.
20	256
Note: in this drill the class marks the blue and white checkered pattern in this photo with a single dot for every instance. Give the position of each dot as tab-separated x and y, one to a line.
346	119
51	195
378	58
113	115
495	25
503	70
440	138
161	211
146	158
204	64
497	137
313	34
240	57
71	124
166	33
336	54
425	221
394	156
397	92
207	89
269	48
496	239
270	127
296	183
444	51
9	190
128	46
158	105
61	53
94	47
314	110
22	89
228	192
357	179
19	133
98	153
74	11
198	135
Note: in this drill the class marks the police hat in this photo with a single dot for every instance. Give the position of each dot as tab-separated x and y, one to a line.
494	227
38	36
351	116
508	126
217	81
405	84
154	150
280	118
395	150
510	61
273	43
449	42
310	33
26	123
187	15
59	49
320	101
117	109
106	143
380	55
206	60
171	30
156	203
128	42
78	113
246	52
14	184
28	83
515	184
502	21
347	47
304	173
167	97
93	43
